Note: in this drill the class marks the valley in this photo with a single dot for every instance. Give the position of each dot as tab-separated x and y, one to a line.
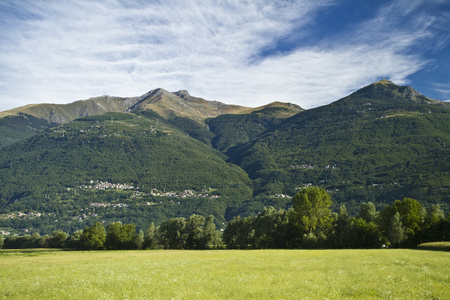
164	155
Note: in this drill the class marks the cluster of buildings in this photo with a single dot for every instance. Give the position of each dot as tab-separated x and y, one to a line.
303	186
84	217
293	167
301	167
108	205
23	215
183	194
100	185
283	196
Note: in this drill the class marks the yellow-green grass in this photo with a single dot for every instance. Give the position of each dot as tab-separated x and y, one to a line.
225	274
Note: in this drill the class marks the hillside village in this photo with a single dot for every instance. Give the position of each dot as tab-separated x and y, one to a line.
187	193
100	185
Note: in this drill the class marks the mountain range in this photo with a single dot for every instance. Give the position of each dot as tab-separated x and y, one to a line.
166	154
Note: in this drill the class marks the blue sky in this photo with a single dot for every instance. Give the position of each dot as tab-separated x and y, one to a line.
308	52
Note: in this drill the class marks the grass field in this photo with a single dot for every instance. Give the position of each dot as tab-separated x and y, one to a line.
225	274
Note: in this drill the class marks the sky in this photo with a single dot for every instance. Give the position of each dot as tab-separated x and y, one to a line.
250	53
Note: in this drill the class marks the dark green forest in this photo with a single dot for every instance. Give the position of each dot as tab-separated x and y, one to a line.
380	144
374	145
308	224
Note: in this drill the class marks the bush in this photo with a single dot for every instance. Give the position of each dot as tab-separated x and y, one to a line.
436	246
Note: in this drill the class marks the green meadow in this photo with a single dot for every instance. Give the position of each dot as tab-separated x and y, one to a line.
225	274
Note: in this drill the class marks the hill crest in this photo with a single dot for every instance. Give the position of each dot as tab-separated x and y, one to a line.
165	103
387	89
182	104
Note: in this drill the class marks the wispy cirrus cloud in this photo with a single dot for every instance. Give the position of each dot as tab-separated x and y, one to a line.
63	51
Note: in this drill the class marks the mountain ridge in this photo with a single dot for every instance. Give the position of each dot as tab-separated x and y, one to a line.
380	143
182	104
167	104
362	138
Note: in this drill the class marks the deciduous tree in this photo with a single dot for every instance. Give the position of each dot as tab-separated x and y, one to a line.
121	237
58	239
396	232
239	233
149	237
94	237
171	233
195	232
74	241
210	234
367	211
311	211
410	215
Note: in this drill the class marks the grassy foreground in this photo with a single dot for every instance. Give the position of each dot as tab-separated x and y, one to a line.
225	274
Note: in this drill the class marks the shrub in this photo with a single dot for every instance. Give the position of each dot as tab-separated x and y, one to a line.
436	246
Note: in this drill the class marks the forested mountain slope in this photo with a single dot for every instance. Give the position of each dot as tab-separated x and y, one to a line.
381	143
45	172
231	129
175	155
26	121
22	122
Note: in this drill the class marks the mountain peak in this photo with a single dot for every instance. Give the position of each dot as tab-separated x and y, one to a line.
156	92
183	94
384	81
388	90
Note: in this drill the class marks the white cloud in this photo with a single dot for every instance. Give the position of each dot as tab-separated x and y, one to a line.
310	77
64	51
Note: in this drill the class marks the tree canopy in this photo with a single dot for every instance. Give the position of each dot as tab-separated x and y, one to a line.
312	213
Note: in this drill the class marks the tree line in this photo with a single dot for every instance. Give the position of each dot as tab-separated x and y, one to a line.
308	224
195	232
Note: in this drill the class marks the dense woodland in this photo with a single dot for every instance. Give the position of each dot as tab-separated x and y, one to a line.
380	144
309	224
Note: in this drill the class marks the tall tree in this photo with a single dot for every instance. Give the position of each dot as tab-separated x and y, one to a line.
74	241
94	237
311	210
343	219
121	237
264	224
410	214
194	232
434	214
396	232
58	239
149	237
171	233
239	233
210	234
138	239
35	238
367	211
436	227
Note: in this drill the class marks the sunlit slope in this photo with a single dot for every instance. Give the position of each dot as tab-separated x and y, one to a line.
381	139
22	122
63	113
182	104
141	150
